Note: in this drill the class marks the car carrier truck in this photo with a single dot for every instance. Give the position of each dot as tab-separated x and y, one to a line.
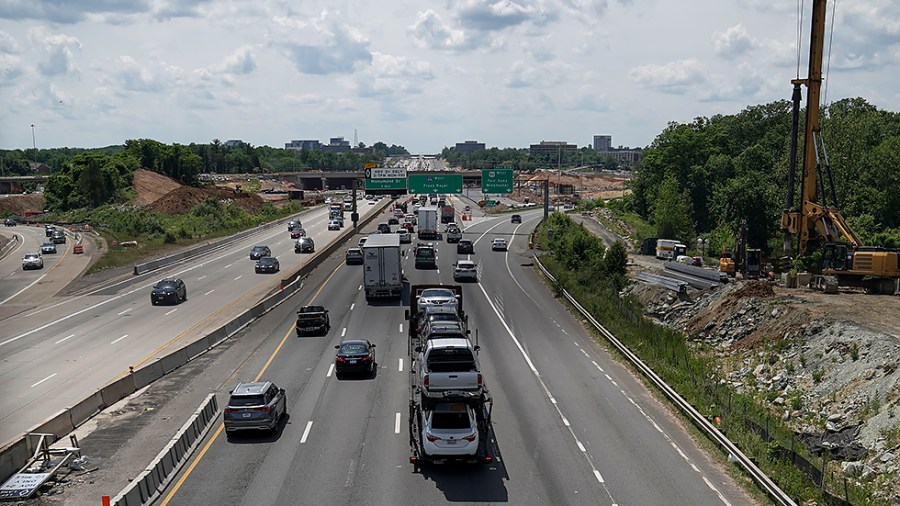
451	423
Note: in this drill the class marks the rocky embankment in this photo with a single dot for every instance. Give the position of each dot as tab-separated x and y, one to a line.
826	366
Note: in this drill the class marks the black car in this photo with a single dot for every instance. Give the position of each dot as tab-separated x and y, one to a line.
393	221
465	246
267	264
49	229
354	355
10	222
304	245
260	251
293	224
170	290
516	218
384	228
58	237
257	405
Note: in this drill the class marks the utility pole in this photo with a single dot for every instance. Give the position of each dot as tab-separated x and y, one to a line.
33	144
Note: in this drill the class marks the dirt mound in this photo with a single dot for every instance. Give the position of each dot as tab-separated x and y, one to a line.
185	198
755	288
21	204
151	186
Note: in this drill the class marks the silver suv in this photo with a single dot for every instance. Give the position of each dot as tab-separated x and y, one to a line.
257	405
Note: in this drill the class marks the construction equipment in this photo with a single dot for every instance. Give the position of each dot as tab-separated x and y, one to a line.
748	261
844	263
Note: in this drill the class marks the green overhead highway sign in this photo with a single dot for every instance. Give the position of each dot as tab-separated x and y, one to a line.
435	183
497	180
391	183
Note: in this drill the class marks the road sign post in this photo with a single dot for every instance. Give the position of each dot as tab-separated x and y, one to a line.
436	183
499	180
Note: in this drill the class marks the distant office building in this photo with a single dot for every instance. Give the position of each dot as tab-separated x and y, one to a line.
338	141
552	147
233	143
602	142
621	154
303	144
469	146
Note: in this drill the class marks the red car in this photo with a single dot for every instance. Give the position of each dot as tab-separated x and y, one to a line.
408	226
298	233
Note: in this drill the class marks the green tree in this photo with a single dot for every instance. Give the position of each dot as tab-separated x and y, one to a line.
672	212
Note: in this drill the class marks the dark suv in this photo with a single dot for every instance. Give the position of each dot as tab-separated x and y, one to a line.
257	405
169	290
465	246
516	218
312	320
304	245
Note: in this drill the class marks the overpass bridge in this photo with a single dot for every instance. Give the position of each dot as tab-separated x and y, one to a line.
13	184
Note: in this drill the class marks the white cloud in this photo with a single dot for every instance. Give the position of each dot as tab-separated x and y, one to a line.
8	44
59	57
493	15
321	46
430	31
393	76
732	43
676	77
10	69
128	76
241	62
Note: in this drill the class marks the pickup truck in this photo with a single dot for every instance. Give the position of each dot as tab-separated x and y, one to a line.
312	319
448	368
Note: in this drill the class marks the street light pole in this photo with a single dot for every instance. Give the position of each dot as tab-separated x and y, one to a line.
33	143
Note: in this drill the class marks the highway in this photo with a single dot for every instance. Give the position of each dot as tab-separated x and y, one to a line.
570	425
63	351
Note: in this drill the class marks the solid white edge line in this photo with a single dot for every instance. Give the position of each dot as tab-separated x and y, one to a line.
330	371
397	424
43	380
305	435
26	287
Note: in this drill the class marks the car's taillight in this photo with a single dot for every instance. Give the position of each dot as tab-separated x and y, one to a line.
425	382
264	408
431	437
470	437
480	381
364	359
339	359
229	410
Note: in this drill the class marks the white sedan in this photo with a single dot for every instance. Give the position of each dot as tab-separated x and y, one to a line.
450	430
499	244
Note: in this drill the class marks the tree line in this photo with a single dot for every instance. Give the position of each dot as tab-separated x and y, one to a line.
699	179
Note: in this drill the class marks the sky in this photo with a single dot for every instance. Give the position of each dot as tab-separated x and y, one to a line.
421	74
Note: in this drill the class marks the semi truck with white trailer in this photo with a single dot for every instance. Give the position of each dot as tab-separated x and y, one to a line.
427	222
382	270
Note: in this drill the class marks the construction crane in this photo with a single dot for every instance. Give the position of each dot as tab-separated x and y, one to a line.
847	262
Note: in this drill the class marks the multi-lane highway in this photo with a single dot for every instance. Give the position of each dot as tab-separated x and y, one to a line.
570	425
59	353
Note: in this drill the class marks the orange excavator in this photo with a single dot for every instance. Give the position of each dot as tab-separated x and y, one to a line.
845	260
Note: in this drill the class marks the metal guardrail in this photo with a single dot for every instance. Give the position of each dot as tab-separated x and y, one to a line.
9	245
672	284
772	489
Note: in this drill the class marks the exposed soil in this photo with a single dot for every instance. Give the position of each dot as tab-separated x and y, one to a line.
21	204
151	186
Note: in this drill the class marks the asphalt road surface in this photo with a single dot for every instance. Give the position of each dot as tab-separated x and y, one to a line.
570	425
68	348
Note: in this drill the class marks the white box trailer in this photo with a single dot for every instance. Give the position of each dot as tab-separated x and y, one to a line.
427	218
669	249
382	270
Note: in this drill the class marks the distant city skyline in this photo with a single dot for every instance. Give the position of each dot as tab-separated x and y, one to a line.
93	74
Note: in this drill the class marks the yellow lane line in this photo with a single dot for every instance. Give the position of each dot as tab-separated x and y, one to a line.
221	427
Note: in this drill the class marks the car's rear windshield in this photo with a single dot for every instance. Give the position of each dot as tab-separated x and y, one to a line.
457	420
450	360
165	284
425	253
246	400
312	309
353	349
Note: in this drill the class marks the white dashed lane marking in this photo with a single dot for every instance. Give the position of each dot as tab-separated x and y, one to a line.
305	435
119	339
330	371
65	338
43	380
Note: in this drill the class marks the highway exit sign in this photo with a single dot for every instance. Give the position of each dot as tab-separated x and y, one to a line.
435	183
498	180
388	183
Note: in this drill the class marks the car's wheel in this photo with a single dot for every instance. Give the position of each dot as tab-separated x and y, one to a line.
153	302
184	298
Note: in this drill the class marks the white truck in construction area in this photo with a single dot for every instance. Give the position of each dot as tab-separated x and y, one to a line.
669	249
382	270
449	404
428	222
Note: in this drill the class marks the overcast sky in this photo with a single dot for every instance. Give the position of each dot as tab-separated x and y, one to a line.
91	73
